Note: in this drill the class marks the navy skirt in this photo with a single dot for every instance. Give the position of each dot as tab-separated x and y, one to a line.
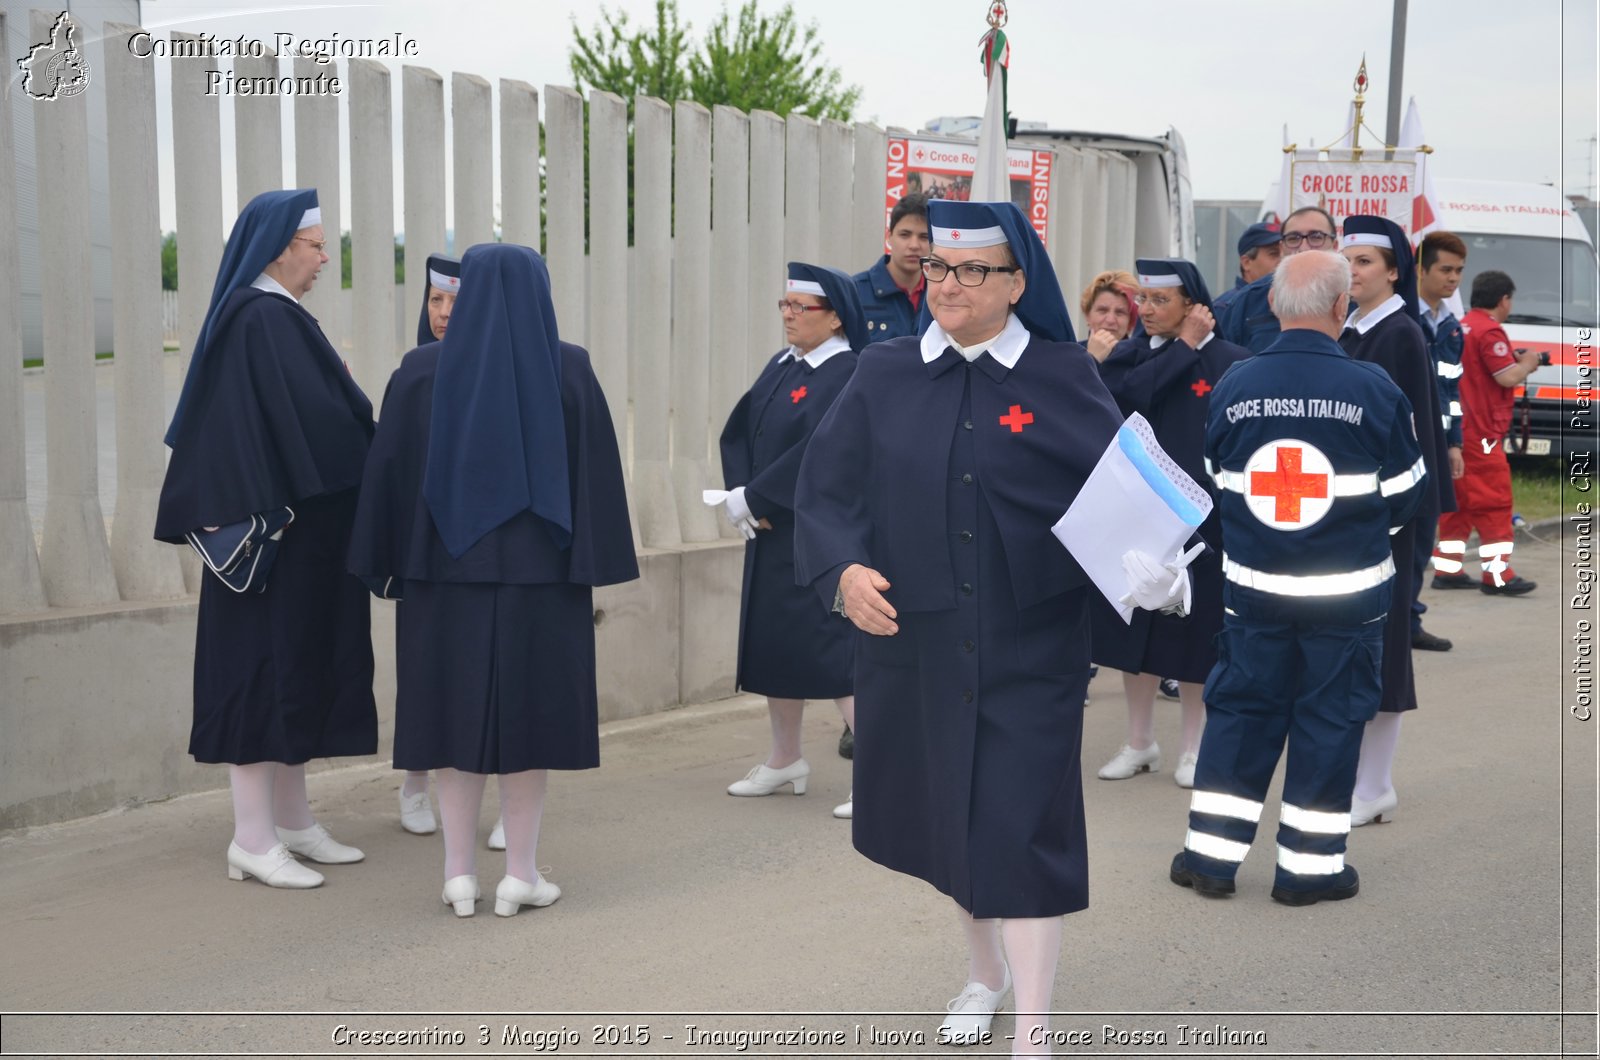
286	675
790	646
1183	649
495	678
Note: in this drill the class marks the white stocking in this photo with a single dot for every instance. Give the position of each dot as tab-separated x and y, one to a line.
986	962
522	808
1141	692
1375	768
785	715
252	806
1192	697
1032	948
460	796
847	710
415	783
291	808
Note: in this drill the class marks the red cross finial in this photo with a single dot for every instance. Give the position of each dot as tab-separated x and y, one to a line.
1015	419
1287	485
796	395
1201	388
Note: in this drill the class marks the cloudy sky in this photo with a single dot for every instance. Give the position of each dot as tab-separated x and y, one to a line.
1501	97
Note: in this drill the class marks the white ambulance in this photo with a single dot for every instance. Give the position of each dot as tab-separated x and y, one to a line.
1531	233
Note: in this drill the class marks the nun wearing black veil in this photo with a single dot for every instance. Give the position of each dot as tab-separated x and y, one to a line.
491	506
269	430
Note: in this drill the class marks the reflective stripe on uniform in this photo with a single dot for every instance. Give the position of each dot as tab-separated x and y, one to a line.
1213	846
1452	548
1450	371
1403	481
1320	822
1497	548
1220	805
1448	566
1309	864
1455	408
1343	485
1308	584
1495	560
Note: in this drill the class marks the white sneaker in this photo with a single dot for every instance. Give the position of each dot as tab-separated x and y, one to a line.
497	838
846	809
1127	762
1183	776
416	813
971	1012
315	843
764	781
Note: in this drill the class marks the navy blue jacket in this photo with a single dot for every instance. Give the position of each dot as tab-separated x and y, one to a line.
888	310
1248	319
1297	548
1444	346
1221	302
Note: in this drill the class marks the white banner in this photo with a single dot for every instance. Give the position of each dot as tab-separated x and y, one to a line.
1344	188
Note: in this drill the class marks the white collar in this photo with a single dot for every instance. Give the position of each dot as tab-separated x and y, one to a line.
821	352
1156	341
271	286
1372	319
1006	347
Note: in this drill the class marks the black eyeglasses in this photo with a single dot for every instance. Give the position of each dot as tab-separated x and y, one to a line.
968	274
1314	240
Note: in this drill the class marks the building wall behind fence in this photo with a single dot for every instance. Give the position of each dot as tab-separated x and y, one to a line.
95	663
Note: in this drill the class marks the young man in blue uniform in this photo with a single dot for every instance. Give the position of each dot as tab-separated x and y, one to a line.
1248	319
891	289
1260	249
1317	461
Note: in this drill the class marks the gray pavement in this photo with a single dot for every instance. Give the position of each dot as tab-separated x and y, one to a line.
1473	933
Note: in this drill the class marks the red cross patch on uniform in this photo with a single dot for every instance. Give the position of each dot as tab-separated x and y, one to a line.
1288	484
796	395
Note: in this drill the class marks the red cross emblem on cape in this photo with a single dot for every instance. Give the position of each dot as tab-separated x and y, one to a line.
1288	484
796	395
1016	419
1201	388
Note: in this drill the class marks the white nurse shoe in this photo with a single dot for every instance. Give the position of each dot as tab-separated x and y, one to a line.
971	1013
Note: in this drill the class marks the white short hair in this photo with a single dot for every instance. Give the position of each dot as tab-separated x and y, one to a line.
1306	285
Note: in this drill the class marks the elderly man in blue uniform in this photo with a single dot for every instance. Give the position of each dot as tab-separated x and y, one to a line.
923	513
1260	249
1247	320
1317	461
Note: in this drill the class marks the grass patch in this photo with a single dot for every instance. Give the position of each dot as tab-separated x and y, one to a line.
1536	484
38	362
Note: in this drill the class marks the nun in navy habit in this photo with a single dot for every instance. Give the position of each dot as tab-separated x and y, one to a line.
440	285
791	649
269	423
1385	329
492	505
923	513
1166	375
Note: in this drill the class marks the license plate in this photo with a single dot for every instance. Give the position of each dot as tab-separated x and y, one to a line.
1537	447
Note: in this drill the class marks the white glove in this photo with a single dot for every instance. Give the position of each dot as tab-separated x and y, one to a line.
734	507
1154	586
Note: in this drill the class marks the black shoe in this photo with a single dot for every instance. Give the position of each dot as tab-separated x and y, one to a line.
1453	581
1345	885
1210	886
847	744
1422	640
1515	587
1168	687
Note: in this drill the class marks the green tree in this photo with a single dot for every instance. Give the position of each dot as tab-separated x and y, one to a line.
169	262
769	62
344	264
614	57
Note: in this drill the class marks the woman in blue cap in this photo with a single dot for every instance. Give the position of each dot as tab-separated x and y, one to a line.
1166	375
269	423
790	648
492	505
440	285
923	513
1384	329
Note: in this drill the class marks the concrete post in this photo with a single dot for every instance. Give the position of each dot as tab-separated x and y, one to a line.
519	163
21	588
257	131
422	140
766	262
870	218
730	277
316	165
76	560
563	138
372	226
801	202
691	319
145	568
472	143
836	189
650	322
197	191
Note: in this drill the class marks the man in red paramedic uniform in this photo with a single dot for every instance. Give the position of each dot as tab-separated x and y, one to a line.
1490	373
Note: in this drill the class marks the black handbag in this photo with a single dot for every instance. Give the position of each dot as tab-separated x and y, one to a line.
241	553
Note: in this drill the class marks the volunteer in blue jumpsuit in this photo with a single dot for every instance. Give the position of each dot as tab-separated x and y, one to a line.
790	648
1248	319
1167	376
440	286
1260	247
923	510
892	288
1383	329
269	418
1317	461
492	504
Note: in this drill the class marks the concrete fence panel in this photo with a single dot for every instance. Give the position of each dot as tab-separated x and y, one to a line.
422	137
519	163
372	226
730	278
257	131
650	323
472	150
